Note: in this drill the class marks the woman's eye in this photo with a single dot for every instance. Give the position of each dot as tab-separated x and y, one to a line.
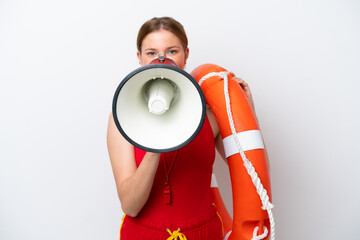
171	52
151	53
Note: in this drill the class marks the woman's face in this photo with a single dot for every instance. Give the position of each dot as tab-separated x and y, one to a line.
162	41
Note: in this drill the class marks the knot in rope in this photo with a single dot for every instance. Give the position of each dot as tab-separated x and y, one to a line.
262	236
267	205
176	235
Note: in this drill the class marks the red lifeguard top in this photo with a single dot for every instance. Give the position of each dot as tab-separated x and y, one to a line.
189	180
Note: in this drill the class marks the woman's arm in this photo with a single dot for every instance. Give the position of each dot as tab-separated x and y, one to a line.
216	132
133	183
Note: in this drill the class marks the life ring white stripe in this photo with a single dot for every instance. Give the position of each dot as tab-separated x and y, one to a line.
249	140
213	181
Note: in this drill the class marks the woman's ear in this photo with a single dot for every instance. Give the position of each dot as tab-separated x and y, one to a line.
186	54
139	57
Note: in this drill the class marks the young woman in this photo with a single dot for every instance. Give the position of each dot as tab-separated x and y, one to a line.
143	179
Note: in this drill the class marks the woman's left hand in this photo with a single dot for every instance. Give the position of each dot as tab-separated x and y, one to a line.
246	89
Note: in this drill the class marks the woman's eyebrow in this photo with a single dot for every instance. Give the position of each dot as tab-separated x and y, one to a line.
173	47
154	49
150	49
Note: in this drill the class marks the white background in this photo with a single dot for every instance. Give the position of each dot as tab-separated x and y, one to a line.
61	61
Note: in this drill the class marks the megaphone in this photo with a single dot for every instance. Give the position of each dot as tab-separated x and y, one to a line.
159	107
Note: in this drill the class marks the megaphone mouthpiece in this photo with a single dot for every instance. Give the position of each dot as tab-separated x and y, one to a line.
160	94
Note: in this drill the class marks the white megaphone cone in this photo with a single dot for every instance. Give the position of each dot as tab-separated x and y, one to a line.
159	107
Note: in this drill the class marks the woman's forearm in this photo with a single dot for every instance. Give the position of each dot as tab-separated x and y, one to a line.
135	190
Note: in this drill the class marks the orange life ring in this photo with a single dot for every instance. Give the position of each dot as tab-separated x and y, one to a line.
252	215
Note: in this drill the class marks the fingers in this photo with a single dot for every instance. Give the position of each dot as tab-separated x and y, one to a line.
245	86
241	81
